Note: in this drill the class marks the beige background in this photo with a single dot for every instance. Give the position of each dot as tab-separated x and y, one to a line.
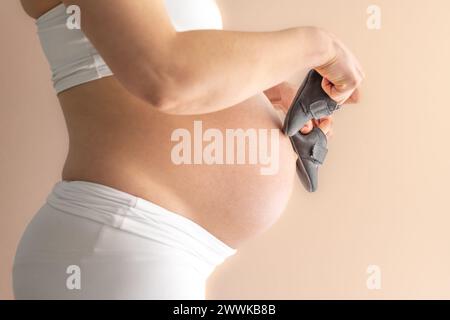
383	198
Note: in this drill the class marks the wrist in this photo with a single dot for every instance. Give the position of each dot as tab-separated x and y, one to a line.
322	47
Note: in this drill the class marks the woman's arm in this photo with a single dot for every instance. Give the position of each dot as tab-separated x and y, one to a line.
196	71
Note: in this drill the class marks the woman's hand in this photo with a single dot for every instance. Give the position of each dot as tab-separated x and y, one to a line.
281	97
342	76
342	73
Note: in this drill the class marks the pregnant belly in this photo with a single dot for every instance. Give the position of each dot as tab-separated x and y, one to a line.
230	171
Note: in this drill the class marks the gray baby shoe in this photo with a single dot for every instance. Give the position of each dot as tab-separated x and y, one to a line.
311	102
311	149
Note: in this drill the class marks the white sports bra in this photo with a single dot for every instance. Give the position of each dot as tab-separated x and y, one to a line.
74	60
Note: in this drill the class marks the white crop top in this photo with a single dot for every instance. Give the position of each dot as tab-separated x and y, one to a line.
74	60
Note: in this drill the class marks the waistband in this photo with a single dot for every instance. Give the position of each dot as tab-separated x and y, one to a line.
124	211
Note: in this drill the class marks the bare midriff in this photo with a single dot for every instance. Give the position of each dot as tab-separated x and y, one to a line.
115	139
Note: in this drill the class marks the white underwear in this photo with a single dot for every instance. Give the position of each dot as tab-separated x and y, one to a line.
90	241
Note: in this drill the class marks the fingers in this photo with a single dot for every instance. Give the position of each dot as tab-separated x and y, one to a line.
307	128
354	98
342	93
334	91
282	95
325	124
339	94
327	86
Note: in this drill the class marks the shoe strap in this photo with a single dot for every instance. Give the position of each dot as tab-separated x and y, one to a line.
320	109
318	153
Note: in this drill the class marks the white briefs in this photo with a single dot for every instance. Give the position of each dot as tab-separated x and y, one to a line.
90	241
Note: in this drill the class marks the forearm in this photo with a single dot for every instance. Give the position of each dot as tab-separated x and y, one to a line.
213	70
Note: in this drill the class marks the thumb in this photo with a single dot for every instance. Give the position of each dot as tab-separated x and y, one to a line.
333	91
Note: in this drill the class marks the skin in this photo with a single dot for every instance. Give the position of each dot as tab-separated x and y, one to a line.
120	126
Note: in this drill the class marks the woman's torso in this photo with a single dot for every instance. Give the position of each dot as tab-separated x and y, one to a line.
118	140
